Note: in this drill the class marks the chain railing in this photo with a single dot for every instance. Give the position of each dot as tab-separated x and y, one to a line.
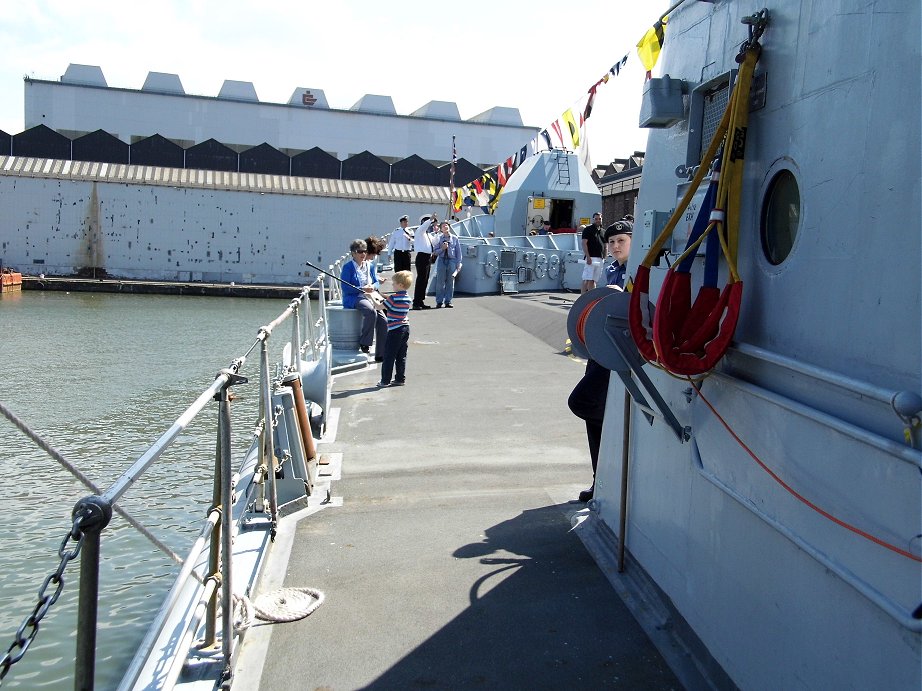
29	627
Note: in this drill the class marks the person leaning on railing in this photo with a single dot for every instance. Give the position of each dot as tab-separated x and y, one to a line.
358	285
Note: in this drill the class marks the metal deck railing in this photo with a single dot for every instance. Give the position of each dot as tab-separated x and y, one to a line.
206	577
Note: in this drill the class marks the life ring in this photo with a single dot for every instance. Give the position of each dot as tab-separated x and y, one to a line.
553	267
491	265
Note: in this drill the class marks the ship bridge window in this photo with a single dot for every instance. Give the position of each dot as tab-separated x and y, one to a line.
780	216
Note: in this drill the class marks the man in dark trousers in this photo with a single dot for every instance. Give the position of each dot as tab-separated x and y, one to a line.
587	400
423	243
399	244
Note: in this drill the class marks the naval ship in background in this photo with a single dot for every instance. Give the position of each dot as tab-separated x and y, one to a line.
773	503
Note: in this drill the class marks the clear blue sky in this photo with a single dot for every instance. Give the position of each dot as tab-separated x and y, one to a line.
539	57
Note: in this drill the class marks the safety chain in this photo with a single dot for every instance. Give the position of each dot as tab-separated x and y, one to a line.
756	24
22	641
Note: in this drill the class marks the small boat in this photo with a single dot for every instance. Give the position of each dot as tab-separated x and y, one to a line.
10	281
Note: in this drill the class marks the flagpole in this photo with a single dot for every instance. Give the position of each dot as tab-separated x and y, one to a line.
451	180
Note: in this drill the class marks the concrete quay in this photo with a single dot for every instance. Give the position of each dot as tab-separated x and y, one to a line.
448	555
146	287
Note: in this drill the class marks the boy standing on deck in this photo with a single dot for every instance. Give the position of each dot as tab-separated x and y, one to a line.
397	311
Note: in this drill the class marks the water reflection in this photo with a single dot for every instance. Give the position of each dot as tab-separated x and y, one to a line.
101	377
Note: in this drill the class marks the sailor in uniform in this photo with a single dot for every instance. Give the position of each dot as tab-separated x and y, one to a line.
424	244
399	245
588	398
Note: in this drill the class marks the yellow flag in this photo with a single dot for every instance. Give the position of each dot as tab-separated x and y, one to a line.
572	127
649	47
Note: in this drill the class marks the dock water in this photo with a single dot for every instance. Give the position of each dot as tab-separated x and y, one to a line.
447	557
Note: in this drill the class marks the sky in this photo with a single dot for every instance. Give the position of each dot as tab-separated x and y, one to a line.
540	57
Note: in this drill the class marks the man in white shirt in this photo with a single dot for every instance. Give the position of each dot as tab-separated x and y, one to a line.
424	244
399	245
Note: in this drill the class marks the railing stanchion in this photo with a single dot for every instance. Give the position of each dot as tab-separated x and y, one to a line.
266	445
322	305
309	327
227	591
296	338
214	547
91	515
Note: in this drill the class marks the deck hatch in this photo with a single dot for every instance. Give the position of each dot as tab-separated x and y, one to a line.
507	260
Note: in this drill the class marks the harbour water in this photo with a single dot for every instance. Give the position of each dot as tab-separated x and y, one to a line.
101	377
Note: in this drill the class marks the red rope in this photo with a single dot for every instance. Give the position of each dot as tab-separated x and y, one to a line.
800	497
581	321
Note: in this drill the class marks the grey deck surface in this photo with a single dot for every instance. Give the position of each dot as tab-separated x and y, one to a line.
451	563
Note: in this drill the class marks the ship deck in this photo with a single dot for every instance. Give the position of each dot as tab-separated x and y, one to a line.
448	556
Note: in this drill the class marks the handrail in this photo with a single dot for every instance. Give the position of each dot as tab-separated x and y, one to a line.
130	476
887	604
862	388
218	526
91	515
170	601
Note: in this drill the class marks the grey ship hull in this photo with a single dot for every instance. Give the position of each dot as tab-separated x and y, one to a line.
780	595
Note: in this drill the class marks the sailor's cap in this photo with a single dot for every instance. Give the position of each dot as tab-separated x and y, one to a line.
622	227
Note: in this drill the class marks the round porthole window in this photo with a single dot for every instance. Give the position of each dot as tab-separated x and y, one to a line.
780	216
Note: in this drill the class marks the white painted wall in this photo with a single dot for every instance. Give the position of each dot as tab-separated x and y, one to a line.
187	234
128	113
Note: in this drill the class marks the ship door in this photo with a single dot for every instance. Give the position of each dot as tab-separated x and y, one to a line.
538	211
558	211
562	213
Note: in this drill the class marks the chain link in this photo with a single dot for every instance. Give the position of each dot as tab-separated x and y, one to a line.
22	639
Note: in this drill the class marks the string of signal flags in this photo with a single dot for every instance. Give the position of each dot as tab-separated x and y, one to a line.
566	132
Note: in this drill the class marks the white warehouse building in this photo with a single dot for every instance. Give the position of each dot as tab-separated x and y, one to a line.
82	102
74	198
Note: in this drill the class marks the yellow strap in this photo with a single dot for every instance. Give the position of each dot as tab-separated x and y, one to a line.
729	188
734	154
706	160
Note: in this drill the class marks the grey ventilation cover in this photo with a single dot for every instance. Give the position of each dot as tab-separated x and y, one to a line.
312	98
499	115
441	110
238	91
163	82
84	74
372	103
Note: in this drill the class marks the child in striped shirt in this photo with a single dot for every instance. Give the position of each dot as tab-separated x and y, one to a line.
397	311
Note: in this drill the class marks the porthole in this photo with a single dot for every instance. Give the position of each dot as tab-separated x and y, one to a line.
780	216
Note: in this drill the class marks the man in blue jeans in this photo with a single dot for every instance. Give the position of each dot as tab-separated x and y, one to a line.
447	266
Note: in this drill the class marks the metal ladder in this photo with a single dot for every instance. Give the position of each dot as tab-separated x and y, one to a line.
563	168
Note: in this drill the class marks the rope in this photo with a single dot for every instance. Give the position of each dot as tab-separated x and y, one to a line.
277	606
89	484
243	613
797	495
288	604
581	320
